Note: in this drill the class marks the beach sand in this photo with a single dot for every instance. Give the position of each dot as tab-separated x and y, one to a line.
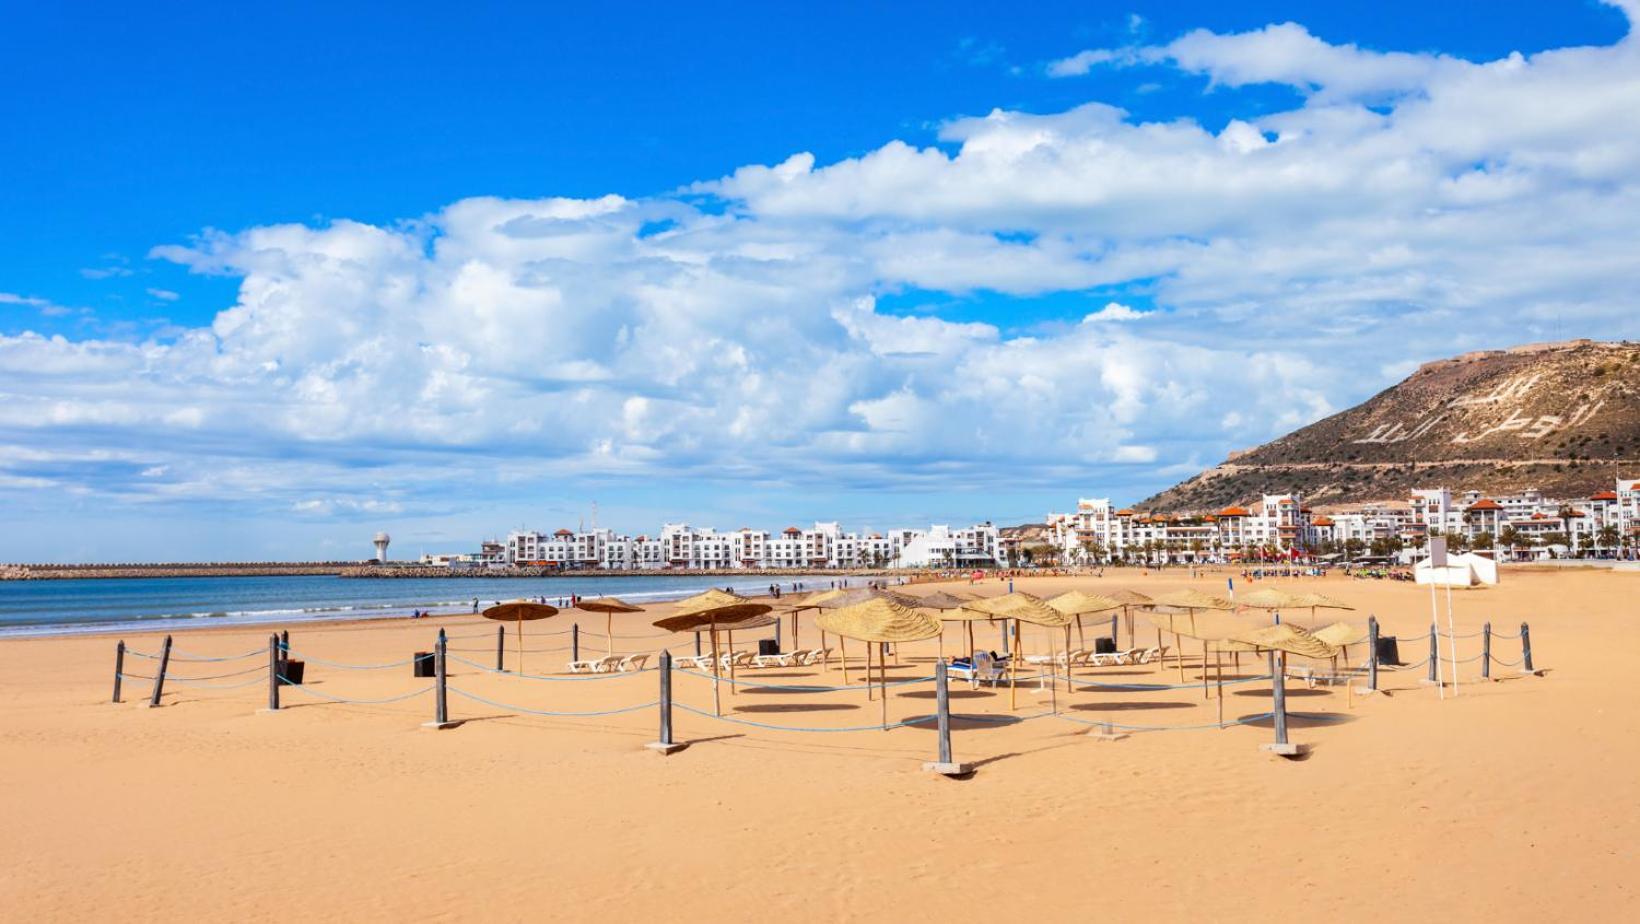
1516	799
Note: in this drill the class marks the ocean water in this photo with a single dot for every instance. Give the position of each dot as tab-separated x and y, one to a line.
30	608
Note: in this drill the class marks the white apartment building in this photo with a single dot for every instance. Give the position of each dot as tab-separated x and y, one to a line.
1606	521
681	546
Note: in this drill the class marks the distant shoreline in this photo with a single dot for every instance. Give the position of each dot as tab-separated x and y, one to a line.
358	570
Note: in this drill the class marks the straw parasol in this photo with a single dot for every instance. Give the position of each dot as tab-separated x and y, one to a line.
1076	602
1129	599
519	612
963	615
711	609
1283	639
609	606
1190	601
882	622
1020	607
945	601
851	596
1322	601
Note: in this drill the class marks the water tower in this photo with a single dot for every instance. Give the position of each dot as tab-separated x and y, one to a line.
381	541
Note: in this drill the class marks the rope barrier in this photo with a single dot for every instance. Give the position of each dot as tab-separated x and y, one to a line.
512	650
253	653
1154	686
611	675
352	667
1515	663
1245	720
1469	635
124	676
807	688
359	702
516	708
249	670
787	728
1505	635
214	686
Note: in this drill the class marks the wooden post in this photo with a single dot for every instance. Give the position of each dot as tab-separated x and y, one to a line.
119	668
1218	668
500	647
732	683
666	745
1434	654
1372	652
1525	649
1013	670
441	699
284	645
842	656
697	643
1204	669
1486	651
159	675
273	673
1278	695
944	766
574	642
942	704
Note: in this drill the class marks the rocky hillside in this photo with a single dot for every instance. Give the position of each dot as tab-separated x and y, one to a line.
1562	417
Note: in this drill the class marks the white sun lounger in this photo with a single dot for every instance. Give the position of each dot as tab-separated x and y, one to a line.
595	665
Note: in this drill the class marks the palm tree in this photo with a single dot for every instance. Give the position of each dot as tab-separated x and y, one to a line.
1608	536
1482	540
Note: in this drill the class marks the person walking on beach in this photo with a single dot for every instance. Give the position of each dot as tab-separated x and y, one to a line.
475	604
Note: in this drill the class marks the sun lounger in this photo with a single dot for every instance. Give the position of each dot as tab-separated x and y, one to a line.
595	665
634	662
981	668
694	662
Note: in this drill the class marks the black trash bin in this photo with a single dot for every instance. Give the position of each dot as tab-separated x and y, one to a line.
424	664
768	646
1104	644
290	672
1388	651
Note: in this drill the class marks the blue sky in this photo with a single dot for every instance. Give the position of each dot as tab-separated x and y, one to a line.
155	158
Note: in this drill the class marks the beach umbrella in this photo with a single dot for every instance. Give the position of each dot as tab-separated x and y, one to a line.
1076	602
964	615
881	622
1190	601
1324	602
609	606
1020	607
519	612
1129	599
850	596
709	610
945	601
1281	640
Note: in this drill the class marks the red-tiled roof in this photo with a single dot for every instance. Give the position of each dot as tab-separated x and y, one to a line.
1235	512
1486	503
1323	520
1604	495
563	532
1124	512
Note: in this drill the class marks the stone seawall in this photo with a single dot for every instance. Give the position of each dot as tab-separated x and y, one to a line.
171	570
377	571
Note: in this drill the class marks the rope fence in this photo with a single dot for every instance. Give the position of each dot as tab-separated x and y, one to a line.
285	669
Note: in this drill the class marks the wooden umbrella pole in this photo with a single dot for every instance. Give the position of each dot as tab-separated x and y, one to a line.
1081	640
731	662
970	639
519	623
869	693
1204	669
1068	659
717	696
1013	671
609	634
882	677
842	657
1218	665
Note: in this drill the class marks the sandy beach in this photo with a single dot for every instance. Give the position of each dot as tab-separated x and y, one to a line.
1515	799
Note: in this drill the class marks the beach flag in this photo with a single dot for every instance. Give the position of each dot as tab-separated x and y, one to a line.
1231	583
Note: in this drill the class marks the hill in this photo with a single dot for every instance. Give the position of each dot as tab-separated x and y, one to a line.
1560	417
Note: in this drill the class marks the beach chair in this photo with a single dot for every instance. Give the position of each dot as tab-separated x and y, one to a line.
736	658
788	659
981	668
633	662
595	665
693	662
812	657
